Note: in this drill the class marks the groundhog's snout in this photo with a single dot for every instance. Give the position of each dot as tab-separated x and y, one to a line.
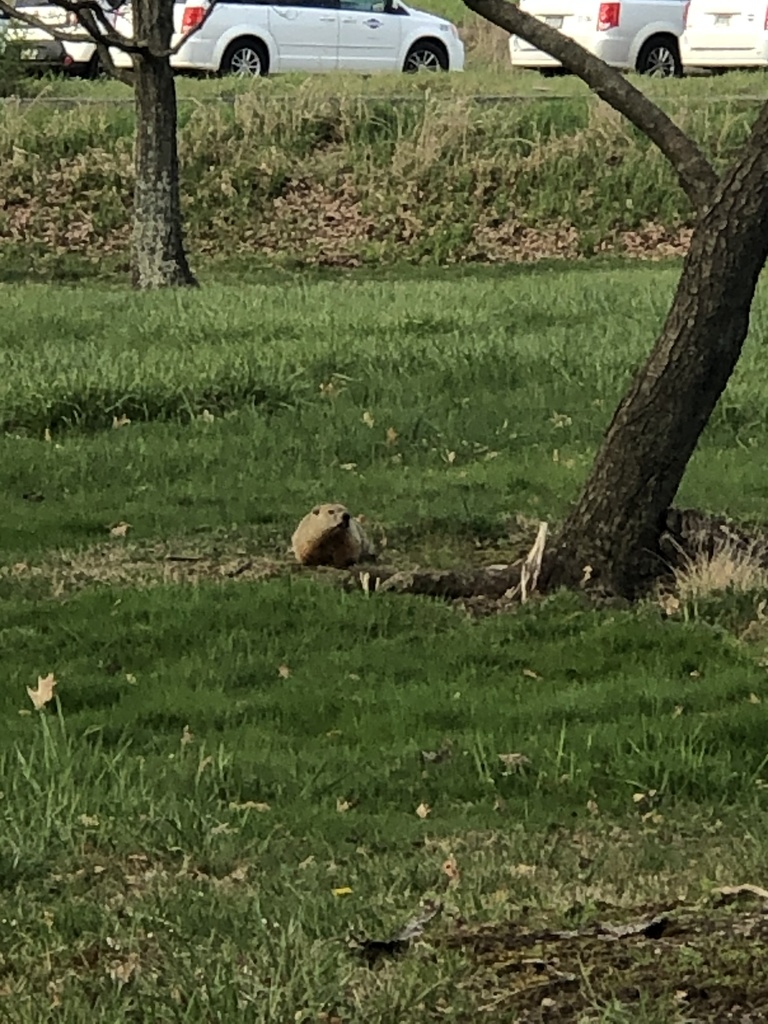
345	519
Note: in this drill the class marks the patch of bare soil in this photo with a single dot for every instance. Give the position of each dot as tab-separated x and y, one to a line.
124	564
703	965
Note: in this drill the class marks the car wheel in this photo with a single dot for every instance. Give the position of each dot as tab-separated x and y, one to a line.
425	56
659	57
246	58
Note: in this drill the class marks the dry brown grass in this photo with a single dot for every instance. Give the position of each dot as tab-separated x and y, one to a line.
487	45
728	566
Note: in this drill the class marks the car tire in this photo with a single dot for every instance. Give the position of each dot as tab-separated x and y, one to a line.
425	56
245	57
659	57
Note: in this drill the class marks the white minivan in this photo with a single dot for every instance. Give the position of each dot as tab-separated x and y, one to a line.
633	35
725	34
248	37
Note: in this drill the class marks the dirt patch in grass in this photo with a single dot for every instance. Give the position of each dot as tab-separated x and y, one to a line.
137	565
703	965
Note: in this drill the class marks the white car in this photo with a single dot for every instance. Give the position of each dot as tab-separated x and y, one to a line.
725	34
40	48
252	38
633	35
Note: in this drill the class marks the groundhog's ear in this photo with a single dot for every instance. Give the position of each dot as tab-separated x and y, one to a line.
316	510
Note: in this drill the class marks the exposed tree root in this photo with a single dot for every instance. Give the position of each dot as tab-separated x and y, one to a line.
687	534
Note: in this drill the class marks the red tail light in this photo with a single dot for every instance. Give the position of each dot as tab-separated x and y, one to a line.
685	14
192	18
608	16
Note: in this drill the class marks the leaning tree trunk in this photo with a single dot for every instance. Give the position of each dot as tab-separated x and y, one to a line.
615	527
158	256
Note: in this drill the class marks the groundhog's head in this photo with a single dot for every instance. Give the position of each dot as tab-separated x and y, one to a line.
331	517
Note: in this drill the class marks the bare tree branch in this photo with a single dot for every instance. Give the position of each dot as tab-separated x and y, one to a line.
696	175
92	17
97	33
32	22
125	75
82	7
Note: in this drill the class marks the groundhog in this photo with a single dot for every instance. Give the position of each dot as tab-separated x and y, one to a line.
329	535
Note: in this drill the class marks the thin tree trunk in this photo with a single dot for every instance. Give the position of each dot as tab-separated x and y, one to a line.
616	525
158	257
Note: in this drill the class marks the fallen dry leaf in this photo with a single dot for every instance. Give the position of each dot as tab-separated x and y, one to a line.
669	604
206	416
44	692
342	890
451	869
368	419
754	699
283	671
120	530
47	435
514	761
186	736
124	970
392	435
592	807
118	422
342	805
239	874
530	674
249	805
423	810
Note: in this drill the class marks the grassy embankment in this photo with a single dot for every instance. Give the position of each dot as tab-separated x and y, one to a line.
343	171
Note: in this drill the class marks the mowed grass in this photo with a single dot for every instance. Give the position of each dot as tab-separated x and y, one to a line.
435	405
238	775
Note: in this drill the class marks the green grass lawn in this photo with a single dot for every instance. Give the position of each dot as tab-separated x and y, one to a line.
238	775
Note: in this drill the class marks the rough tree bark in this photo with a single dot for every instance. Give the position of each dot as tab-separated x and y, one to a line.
612	534
158	256
616	524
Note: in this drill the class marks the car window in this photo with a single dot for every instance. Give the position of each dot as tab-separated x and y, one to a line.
307	3
375	6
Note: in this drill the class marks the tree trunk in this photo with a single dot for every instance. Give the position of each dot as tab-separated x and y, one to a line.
616	525
158	257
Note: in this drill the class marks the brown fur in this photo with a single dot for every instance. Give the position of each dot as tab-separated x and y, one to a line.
329	535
